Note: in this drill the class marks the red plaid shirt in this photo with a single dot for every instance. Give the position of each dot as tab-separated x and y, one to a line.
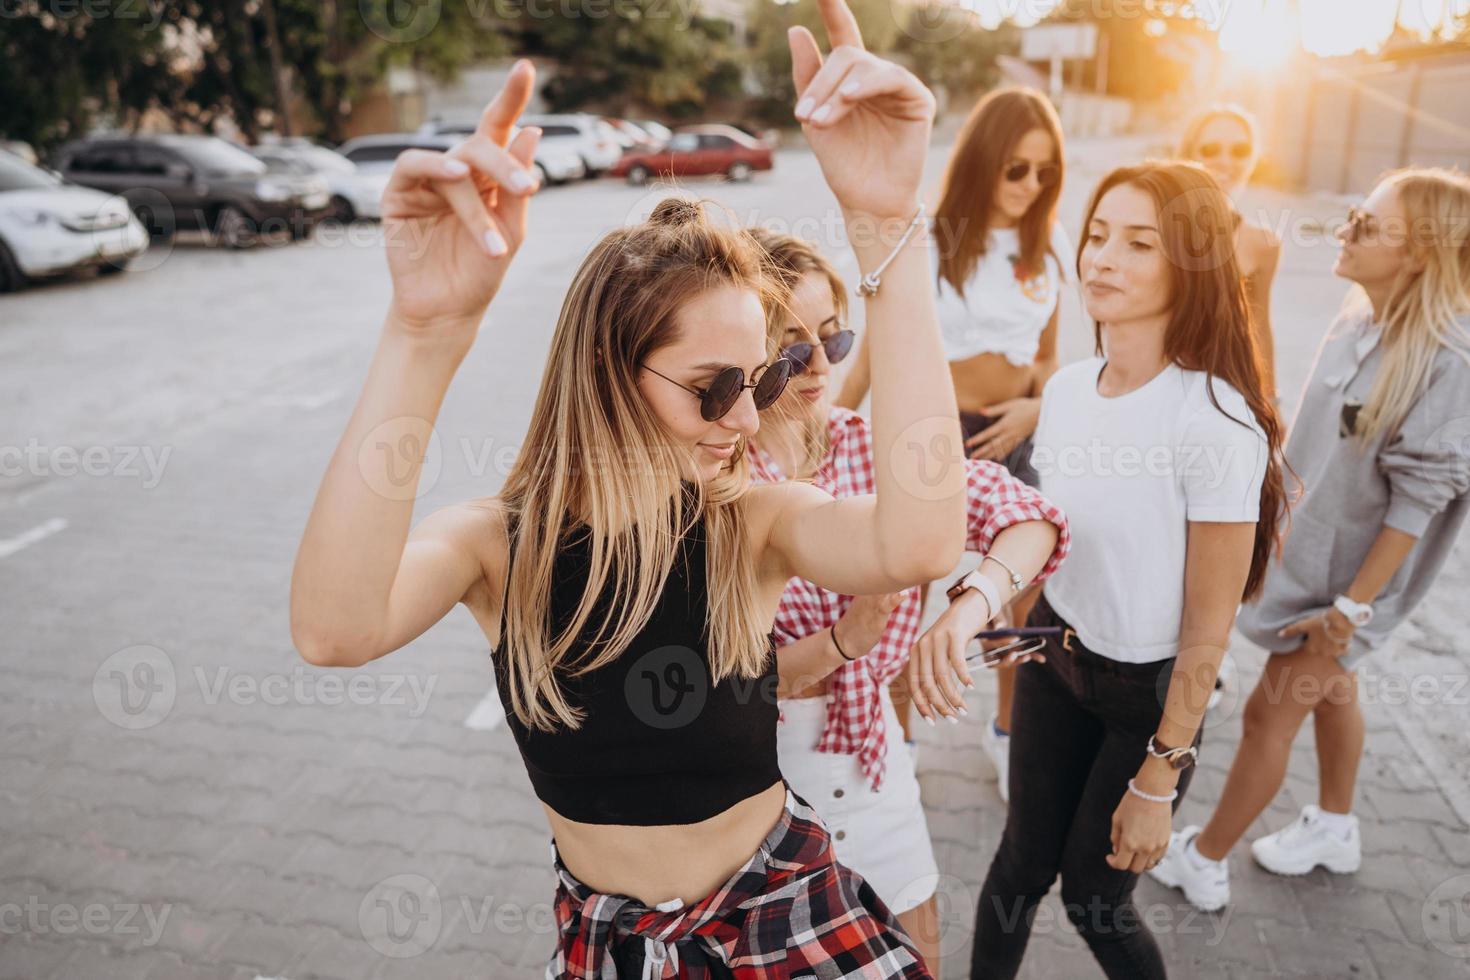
996	501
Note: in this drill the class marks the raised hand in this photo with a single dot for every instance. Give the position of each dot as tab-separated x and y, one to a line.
867	120
453	221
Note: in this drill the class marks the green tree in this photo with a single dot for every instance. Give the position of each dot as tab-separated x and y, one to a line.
634	55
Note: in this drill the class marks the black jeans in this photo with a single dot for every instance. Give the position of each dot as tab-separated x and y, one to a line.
1079	732
1018	460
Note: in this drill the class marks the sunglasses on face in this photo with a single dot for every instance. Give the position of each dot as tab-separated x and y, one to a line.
1212	149
724	391
836	347
1359	223
1046	173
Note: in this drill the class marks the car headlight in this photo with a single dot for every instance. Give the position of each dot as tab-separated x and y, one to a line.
31	216
270	190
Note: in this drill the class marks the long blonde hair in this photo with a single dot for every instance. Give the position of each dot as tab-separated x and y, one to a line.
596	452
1428	298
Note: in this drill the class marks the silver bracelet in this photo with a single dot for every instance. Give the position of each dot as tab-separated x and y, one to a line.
1133	788
868	285
1017	584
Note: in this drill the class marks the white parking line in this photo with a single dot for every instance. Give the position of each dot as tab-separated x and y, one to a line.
488	714
9	546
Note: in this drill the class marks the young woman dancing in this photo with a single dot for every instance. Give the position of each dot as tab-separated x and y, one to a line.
838	740
1380	442
1162	451
1223	140
998	257
627	575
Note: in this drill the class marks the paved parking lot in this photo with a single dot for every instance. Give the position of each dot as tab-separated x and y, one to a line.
181	796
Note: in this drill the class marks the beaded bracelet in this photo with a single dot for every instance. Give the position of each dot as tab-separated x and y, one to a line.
1133	788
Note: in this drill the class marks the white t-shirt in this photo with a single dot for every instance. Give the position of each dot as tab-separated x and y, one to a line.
1004	309
1130	473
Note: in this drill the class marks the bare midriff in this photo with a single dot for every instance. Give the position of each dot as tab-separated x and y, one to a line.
656	864
987	379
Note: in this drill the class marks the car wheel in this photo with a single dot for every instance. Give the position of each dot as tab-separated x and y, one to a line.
233	228
738	172
11	278
150	223
539	172
638	175
341	211
112	268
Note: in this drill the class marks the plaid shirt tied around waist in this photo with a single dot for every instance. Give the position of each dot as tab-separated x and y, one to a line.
791	910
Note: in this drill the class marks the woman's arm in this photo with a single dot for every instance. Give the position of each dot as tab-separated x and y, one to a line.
1046	354
362	586
802	663
855	384
868	122
1216	566
1330	633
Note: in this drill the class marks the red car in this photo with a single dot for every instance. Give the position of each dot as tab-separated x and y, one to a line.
696	150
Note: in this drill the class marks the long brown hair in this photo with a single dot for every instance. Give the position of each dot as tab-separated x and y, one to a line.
595	452
967	196
1210	321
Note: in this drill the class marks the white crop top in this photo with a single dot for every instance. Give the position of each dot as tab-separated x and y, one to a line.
1002	311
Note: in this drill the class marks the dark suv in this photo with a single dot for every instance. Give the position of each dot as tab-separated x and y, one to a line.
178	182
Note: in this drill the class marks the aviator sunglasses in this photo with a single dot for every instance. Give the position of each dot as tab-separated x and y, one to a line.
836	347
716	400
1046	173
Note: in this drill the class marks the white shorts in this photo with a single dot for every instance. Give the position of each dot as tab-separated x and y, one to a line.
882	836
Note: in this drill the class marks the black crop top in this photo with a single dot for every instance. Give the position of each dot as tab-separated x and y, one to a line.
658	743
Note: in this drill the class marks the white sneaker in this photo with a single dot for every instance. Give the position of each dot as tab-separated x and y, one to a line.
1206	888
1305	843
998	748
1224	681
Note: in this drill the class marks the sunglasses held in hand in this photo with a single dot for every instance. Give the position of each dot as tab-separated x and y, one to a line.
1025	641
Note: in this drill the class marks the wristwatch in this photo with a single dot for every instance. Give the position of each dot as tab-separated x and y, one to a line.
1358	613
1176	758
981	584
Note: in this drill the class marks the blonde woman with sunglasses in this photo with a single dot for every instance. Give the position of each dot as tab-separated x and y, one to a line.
627	575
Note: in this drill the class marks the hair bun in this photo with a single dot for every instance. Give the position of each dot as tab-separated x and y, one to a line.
677	211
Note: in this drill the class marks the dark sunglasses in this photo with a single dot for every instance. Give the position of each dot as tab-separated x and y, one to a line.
1046	173
836	348
716	401
1359	223
1210	150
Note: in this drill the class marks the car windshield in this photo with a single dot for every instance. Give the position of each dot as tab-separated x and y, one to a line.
214	155
325	160
17	175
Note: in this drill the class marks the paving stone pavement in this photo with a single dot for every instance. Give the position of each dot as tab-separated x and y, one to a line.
182	797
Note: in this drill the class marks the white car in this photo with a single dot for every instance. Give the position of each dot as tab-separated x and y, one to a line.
356	192
591	137
556	162
48	227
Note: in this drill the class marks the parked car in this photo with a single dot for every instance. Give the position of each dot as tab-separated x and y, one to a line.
49	227
631	136
661	134
697	150
22	149
590	137
555	163
355	192
176	182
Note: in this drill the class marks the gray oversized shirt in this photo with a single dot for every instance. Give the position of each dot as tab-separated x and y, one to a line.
1414	479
